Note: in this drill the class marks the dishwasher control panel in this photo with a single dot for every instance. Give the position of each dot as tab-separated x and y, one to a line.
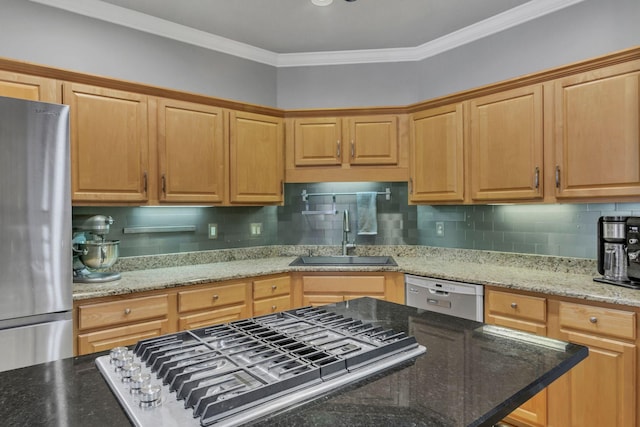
465	300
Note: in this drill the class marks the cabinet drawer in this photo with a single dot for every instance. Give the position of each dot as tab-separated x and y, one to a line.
271	305
216	296
125	311
214	317
516	306
363	285
598	320
267	288
92	342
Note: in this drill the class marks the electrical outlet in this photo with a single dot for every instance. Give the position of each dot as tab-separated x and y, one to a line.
256	228
213	231
440	229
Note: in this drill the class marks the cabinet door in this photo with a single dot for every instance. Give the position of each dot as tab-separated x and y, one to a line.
213	317
437	155
256	158
24	86
318	142
373	140
597	140
106	339
109	144
507	145
191	152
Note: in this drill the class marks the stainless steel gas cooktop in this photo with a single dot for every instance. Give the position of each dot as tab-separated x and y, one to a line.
231	374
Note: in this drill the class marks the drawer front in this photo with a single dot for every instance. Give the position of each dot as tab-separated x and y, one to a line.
107	339
362	285
598	320
267	288
119	312
216	296
208	318
271	305
517	306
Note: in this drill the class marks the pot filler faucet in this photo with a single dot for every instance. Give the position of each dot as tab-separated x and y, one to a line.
345	233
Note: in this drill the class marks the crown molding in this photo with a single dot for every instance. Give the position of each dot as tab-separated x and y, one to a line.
139	21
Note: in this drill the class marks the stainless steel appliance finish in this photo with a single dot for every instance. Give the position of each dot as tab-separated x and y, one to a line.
91	250
234	373
457	299
35	225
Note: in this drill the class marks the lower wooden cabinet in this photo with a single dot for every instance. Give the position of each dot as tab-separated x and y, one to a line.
213	304
272	294
601	390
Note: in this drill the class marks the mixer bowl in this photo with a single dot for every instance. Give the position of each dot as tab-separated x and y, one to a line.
98	254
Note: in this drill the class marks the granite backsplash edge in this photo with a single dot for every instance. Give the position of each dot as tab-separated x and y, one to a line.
505	259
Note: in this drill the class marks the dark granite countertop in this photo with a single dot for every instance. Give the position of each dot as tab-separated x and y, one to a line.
469	376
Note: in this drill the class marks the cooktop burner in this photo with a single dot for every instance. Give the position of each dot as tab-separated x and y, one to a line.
236	372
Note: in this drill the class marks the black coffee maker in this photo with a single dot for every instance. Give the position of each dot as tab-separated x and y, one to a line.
632	230
613	253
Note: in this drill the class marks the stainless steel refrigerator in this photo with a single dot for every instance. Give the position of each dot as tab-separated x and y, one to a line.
35	233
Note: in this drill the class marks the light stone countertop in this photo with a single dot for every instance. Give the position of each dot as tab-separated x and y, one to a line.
547	275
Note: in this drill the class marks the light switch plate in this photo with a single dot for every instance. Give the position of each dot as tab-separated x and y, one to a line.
213	231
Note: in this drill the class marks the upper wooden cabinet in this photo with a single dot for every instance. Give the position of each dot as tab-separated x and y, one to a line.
256	158
109	144
191	153
24	86
506	145
597	139
437	155
357	148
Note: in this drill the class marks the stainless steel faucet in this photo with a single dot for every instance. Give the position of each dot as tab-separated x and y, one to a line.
345	233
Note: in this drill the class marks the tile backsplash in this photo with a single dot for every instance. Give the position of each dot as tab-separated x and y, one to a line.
567	230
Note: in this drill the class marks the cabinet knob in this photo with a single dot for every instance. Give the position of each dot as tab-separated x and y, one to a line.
274	287
215	297
593	319
127	311
273	307
514	305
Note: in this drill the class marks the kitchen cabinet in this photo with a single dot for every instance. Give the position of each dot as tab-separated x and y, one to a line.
437	155
356	148
506	145
214	303
256	158
325	288
526	313
597	133
101	326
191	152
601	390
25	86
109	145
272	294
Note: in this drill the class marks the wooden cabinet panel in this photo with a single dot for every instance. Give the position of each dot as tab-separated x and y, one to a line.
597	133
361	285
506	141
526	313
256	158
215	296
119	312
24	86
317	141
437	155
373	140
191	152
271	287
103	340
317	300
272	305
213	317
598	320
109	144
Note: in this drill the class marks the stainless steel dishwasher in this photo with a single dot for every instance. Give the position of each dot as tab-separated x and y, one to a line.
457	299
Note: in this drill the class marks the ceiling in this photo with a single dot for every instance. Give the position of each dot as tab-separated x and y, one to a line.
296	32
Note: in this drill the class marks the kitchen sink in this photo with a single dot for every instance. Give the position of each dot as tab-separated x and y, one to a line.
343	260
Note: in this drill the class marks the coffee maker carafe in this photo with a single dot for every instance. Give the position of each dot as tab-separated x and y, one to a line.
91	250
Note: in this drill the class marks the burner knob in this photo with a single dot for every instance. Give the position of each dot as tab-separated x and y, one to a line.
138	380
128	370
121	360
115	352
149	395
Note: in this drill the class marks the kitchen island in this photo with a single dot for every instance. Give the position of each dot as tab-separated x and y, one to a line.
471	375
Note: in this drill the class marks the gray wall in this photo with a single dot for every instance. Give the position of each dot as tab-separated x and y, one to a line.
48	36
579	32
